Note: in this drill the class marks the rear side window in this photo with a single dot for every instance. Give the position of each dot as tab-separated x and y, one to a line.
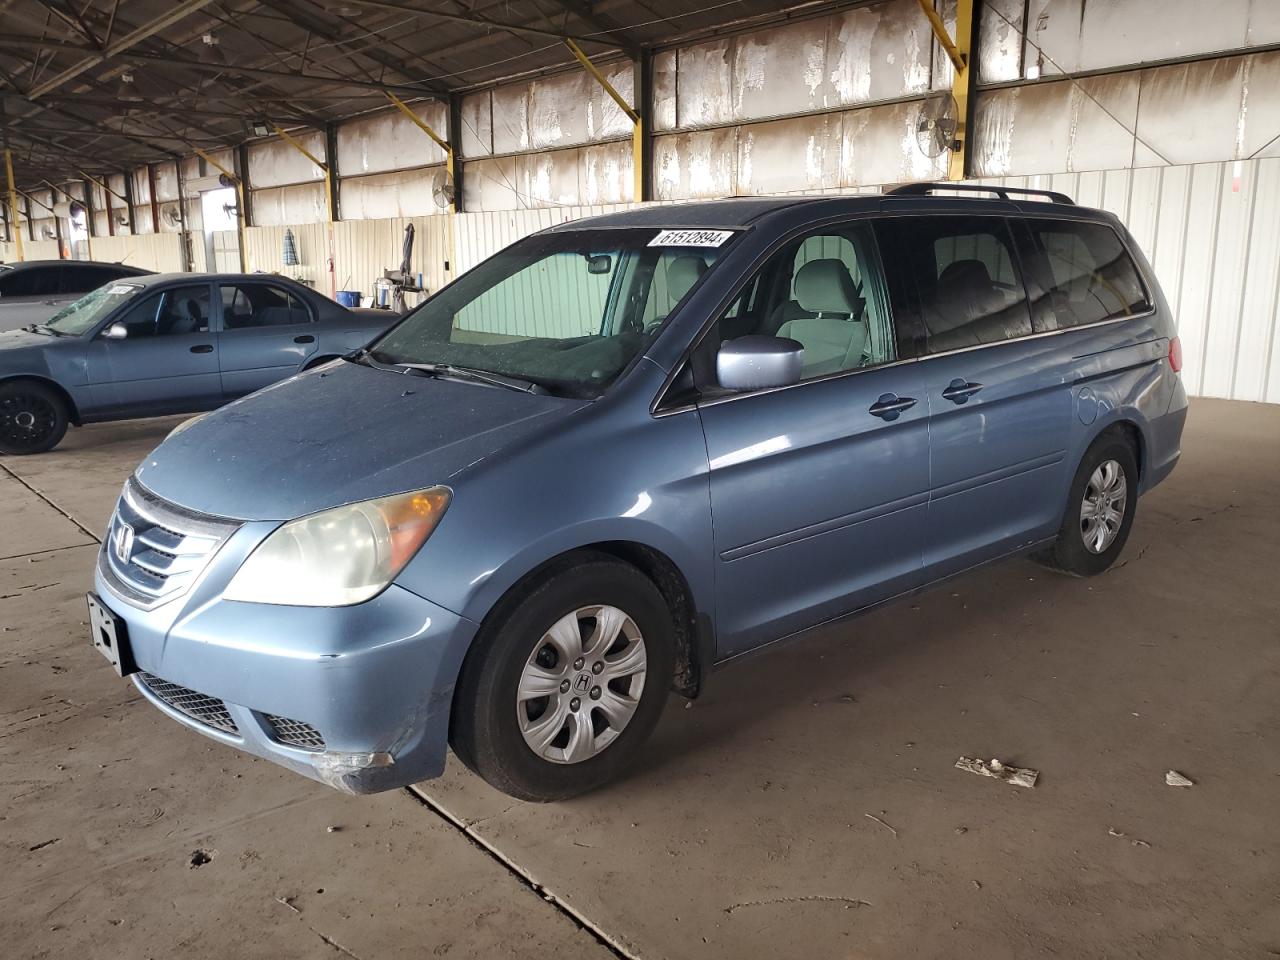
961	276
260	305
32	282
1091	275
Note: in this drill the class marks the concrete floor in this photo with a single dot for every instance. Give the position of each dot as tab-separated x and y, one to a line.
748	830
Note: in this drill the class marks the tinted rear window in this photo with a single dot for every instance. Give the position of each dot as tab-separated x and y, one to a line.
1091	275
966	278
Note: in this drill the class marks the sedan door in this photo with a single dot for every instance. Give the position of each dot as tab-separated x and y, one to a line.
268	333
819	490
168	360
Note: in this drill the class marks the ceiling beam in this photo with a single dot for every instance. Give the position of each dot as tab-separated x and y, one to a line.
605	30
476	20
179	11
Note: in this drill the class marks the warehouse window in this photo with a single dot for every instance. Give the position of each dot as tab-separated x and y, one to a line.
1093	276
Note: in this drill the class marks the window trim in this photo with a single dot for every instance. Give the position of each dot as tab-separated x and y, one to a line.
657	407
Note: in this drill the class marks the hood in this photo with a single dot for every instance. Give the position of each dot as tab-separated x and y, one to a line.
336	435
19	339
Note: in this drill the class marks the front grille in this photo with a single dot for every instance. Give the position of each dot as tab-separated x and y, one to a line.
154	549
200	707
296	733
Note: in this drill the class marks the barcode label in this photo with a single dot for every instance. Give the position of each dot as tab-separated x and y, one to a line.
690	238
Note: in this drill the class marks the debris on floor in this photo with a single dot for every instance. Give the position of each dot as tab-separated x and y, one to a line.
1175	779
1018	776
200	857
1112	831
882	823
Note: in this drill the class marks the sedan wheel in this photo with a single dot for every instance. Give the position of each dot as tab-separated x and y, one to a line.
32	419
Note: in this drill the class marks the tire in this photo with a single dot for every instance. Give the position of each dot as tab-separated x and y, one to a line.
33	418
519	688
1091	536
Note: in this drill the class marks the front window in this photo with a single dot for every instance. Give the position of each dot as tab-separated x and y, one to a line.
82	315
567	311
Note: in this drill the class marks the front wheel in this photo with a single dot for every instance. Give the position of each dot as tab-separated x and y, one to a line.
33	418
566	683
1100	509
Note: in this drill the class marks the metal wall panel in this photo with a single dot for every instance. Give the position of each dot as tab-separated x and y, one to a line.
364	249
600	173
1212	234
562	110
274	163
391	141
300	203
161	252
407	193
264	252
477	124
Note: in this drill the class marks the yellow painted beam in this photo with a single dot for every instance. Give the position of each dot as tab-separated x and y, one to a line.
15	227
450	155
239	203
637	122
940	31
960	87
328	181
103	185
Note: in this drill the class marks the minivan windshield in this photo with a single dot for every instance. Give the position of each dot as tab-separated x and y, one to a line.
80	317
567	311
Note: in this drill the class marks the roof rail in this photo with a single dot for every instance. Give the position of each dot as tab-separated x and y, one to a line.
926	189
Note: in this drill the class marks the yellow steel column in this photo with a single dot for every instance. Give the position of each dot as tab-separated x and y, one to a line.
961	58
637	123
14	227
239	203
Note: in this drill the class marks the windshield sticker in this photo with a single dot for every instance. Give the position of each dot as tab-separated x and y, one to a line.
690	238
120	289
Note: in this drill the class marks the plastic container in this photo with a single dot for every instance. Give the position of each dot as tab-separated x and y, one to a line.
348	298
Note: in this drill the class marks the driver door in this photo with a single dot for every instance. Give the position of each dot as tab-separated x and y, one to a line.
167	363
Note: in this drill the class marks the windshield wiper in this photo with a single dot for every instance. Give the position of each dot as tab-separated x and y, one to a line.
42	328
371	358
480	376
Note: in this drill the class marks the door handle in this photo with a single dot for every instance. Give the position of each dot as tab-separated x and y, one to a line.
890	405
305	338
958	391
202	348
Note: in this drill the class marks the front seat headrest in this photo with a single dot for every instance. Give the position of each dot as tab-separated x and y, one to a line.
824	286
682	273
965	277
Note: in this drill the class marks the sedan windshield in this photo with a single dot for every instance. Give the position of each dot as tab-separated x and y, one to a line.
81	316
567	311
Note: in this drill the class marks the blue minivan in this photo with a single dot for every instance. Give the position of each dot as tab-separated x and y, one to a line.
625	451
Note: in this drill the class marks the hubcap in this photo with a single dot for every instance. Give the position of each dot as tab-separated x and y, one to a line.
581	685
1102	511
26	421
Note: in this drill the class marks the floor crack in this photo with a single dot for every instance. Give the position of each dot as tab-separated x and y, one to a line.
576	918
79	526
849	902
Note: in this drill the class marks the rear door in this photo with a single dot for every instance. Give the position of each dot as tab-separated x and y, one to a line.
168	363
818	490
999	409
267	334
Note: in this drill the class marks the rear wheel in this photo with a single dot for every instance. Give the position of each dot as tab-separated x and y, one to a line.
568	681
33	418
1100	508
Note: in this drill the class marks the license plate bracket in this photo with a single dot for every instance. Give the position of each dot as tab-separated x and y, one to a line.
110	636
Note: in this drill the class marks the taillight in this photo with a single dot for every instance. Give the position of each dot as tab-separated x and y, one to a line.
1175	355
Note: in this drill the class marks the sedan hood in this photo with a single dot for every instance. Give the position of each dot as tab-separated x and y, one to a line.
338	435
19	339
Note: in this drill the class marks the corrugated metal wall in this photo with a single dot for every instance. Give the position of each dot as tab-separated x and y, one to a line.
1212	233
161	252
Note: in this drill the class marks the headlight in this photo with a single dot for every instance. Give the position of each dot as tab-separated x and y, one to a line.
341	556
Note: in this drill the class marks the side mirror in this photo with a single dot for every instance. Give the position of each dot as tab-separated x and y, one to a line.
759	363
599	263
117	331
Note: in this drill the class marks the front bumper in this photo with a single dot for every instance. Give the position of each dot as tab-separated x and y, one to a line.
373	682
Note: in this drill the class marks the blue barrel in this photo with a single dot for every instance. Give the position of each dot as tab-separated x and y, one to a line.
348	298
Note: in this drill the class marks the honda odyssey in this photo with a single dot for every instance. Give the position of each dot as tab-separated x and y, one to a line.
627	450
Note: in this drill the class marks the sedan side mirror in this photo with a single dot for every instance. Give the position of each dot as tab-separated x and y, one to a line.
117	331
759	363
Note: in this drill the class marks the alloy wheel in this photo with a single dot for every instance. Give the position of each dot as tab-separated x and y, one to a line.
26	421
